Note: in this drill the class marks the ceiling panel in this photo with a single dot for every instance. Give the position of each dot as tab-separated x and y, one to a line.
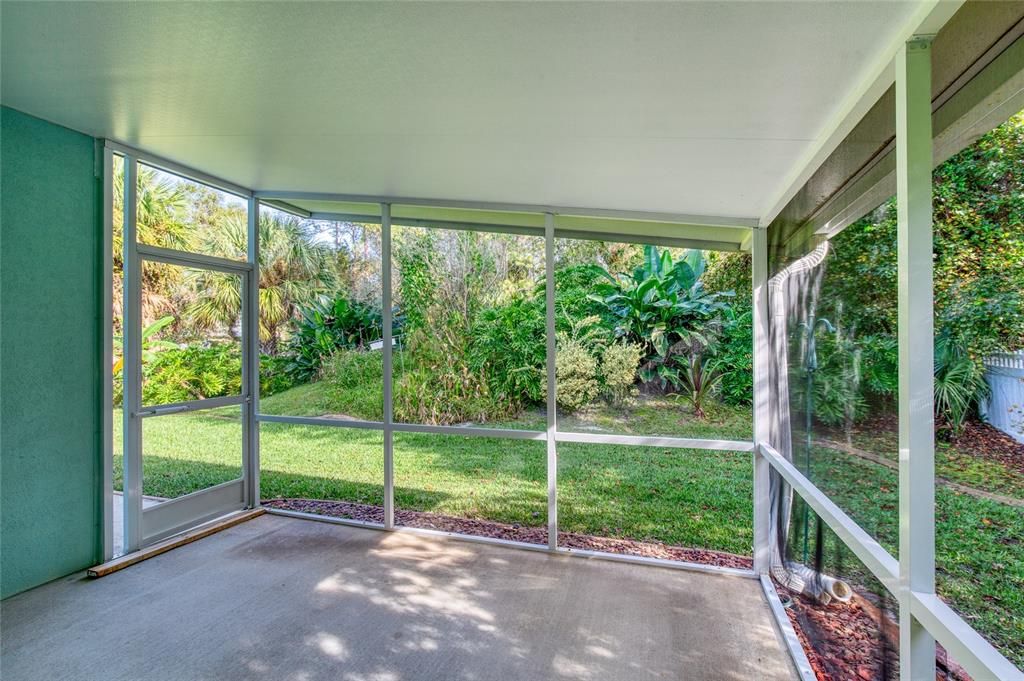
697	108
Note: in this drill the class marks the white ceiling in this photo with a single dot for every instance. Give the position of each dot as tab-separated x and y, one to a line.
695	108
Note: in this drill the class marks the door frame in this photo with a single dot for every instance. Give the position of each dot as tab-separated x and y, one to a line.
142	527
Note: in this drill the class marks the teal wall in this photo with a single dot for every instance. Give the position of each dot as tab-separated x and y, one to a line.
50	352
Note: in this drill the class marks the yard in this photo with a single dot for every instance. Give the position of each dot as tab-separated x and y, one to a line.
694	499
978	556
682	497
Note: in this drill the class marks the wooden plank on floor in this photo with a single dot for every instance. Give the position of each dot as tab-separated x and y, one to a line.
166	545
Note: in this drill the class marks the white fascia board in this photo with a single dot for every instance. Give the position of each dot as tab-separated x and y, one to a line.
878	77
400	204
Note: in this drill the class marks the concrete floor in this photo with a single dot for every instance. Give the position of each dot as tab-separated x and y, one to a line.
285	599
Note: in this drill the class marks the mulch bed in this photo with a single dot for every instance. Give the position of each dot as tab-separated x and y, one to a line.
841	640
986	442
519	533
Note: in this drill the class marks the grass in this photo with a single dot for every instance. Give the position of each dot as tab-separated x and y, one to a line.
979	544
954	461
957	465
690	498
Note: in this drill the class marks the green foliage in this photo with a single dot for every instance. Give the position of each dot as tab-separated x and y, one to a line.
698	379
663	307
473	337
274	375
354	380
729	271
447	277
879	365
163	218
327	326
437	385
959	382
196	372
441	390
417	282
576	383
859	288
574	285
294	272
507	346
833	381
294	266
150	345
734	346
978	271
979	241
734	355
619	363
192	373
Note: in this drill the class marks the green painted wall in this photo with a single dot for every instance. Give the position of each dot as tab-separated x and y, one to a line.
50	352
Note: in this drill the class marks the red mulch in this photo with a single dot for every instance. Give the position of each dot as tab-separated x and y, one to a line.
986	442
841	639
519	533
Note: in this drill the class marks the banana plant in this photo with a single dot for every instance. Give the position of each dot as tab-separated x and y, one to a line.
662	305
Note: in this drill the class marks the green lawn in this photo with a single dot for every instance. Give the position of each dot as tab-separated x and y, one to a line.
690	498
979	544
954	461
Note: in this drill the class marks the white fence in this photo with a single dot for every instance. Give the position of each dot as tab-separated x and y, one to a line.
1004	408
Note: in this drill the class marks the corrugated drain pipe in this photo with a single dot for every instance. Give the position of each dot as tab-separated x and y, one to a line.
796	577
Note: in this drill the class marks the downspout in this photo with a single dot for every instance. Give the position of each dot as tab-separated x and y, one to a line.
796	577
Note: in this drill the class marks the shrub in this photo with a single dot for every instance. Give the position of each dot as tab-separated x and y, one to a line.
576	383
698	379
729	272
573	287
197	372
274	376
836	391
959	383
619	363
444	393
327	326
879	364
735	358
664	307
192	373
507	346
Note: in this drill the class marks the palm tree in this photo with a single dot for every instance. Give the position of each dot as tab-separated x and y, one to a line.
161	202
293	271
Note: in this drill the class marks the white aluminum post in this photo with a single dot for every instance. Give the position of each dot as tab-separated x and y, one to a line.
552	446
251	356
762	469
916	349
389	434
108	354
131	352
